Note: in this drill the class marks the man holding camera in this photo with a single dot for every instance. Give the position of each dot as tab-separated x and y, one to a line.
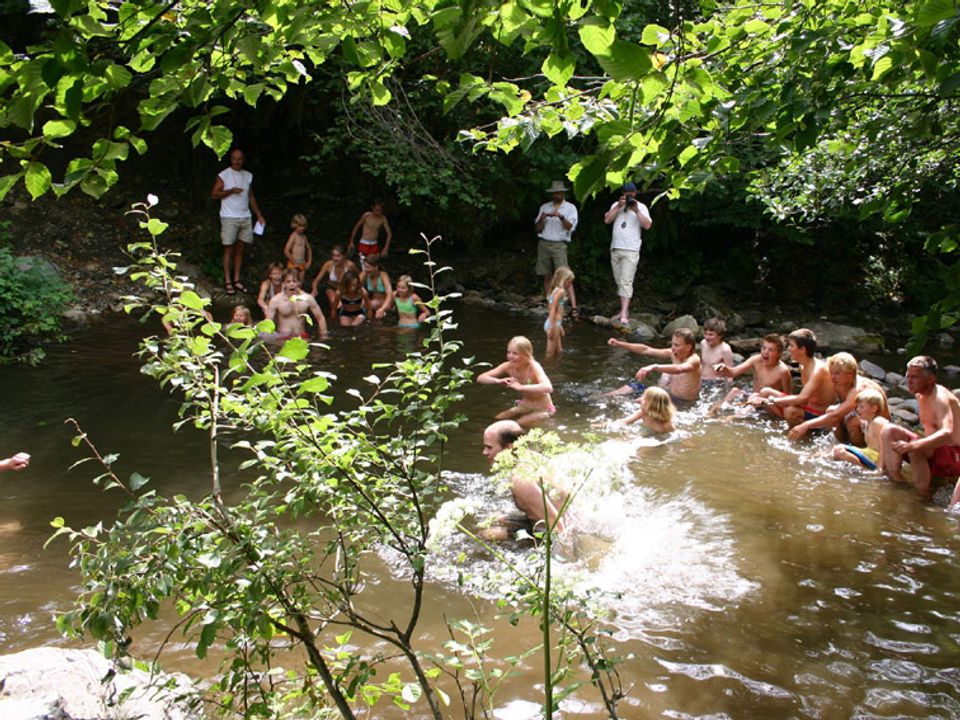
555	223
628	216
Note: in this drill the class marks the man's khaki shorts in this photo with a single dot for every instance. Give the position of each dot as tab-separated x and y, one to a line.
232	229
550	256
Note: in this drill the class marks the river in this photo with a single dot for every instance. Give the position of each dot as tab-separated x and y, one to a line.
754	579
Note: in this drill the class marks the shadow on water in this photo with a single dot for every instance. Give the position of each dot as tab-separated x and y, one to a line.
748	577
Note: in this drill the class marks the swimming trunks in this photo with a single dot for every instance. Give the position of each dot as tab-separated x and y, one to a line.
810	412
945	461
866	455
638	387
368	247
291	265
550	408
290	336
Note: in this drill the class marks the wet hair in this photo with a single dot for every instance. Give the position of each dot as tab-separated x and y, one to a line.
774	339
685	334
562	277
509	434
657	405
805	339
373	259
925	363
347	280
406	279
843	361
522	345
293	273
872	396
245	312
716	325
299	220
274	266
338	248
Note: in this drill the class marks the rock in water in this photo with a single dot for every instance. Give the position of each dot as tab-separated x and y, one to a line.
61	684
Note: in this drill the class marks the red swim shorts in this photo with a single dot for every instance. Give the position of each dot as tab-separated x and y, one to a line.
945	461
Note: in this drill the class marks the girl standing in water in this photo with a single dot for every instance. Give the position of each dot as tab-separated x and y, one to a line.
555	302
411	310
522	373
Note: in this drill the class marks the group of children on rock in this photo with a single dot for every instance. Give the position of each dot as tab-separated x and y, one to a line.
352	294
832	394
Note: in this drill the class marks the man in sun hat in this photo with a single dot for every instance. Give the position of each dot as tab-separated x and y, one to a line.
555	222
628	216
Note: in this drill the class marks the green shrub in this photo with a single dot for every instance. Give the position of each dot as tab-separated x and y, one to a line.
31	300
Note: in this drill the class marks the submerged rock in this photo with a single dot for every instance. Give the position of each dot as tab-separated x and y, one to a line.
60	684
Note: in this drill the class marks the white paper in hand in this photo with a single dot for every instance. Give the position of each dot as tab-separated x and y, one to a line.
259	228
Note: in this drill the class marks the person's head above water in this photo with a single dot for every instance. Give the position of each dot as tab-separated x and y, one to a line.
499	436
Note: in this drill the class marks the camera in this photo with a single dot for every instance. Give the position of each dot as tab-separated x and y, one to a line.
630	200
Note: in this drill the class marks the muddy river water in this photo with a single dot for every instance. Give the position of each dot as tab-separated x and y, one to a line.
753	578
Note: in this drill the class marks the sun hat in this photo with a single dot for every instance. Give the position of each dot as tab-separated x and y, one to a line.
557	186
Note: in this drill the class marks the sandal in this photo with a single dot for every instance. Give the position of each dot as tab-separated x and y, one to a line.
240	287
230	288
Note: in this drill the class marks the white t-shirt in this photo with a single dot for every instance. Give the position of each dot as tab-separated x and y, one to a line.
553	228
626	228
236	206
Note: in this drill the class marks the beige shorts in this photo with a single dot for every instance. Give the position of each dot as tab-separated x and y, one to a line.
624	264
550	256
232	229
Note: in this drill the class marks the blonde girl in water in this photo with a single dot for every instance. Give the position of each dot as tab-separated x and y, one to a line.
411	310
656	411
522	373
556	299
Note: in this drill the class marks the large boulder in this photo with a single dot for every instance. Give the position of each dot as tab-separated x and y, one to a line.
60	684
684	321
872	370
834	337
642	333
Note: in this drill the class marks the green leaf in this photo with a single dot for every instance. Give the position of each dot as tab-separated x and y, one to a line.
295	349
218	138
559	69
7	182
73	99
65	8
655	35
155	227
597	37
58	128
188	298
930	12
37	179
626	61
118	77
881	67
137	481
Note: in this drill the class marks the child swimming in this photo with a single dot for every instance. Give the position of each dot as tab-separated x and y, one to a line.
522	373
241	316
656	411
410	308
556	299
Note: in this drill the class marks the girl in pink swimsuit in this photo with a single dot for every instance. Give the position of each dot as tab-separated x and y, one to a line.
522	373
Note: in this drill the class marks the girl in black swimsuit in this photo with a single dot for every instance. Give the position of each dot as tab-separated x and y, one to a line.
353	303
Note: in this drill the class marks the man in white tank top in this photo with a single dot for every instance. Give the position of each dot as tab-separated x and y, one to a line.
233	189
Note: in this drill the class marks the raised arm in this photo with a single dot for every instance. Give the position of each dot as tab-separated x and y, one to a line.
640	348
646	222
610	215
262	296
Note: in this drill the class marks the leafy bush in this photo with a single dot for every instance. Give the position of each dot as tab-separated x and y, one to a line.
31	300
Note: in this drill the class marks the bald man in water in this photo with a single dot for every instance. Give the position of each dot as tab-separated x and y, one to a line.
527	493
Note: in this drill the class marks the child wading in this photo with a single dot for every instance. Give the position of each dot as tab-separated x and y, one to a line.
556	299
522	373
